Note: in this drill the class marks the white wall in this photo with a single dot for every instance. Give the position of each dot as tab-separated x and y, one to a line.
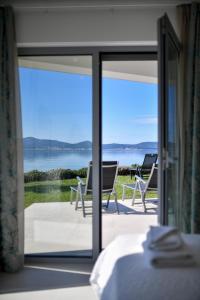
90	26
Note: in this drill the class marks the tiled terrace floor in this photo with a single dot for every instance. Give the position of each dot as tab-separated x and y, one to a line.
56	228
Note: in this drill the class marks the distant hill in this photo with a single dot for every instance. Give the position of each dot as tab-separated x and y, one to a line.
144	145
31	143
38	144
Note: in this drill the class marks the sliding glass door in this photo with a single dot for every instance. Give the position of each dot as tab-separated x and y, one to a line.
64	110
169	135
56	93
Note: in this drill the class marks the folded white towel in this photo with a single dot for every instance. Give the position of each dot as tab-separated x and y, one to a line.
167	259
164	238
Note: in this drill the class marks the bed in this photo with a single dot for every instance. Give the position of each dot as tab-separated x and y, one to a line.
122	273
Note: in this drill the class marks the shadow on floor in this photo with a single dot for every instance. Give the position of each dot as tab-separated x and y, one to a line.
63	254
35	278
137	209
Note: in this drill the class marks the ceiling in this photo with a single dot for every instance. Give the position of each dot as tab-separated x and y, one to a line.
94	4
140	71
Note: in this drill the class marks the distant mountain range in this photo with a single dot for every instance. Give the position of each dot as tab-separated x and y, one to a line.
31	143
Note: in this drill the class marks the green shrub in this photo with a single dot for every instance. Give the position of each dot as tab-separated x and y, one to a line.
54	174
123	171
60	174
35	175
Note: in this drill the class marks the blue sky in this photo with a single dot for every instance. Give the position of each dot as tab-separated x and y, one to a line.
58	106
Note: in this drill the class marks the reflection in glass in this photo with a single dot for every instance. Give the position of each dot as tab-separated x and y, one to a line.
172	137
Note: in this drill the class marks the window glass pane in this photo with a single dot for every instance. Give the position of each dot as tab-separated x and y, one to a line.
130	124
56	95
172	178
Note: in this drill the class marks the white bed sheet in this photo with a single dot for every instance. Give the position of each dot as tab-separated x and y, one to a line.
122	273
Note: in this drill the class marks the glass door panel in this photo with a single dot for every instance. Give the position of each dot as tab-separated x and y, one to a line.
172	135
129	131
56	95
169	130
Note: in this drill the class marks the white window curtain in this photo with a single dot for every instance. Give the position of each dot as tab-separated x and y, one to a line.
11	151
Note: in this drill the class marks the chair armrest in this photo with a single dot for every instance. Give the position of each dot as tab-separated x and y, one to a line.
138	178
80	181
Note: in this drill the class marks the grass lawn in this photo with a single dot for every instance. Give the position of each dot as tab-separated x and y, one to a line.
59	190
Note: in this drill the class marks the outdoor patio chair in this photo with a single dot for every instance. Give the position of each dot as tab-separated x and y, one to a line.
149	160
143	186
83	190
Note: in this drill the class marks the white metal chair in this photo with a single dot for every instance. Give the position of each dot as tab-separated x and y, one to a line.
142	186
145	168
83	190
